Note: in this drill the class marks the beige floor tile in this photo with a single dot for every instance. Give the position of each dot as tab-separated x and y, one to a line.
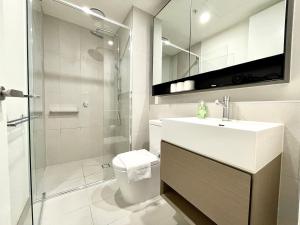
78	217
94	178
66	203
103	191
91	169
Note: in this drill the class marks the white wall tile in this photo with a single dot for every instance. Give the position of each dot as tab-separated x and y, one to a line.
70	74
91	142
74	76
52	72
51	34
53	146
88	42
91	71
70	145
69	40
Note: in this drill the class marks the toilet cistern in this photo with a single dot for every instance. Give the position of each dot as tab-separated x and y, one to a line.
225	103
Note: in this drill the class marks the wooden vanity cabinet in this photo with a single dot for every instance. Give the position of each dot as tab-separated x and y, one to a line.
210	192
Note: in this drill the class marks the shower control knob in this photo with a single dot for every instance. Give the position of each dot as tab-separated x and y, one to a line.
85	104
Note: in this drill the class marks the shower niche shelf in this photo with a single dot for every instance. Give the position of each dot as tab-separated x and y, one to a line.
63	109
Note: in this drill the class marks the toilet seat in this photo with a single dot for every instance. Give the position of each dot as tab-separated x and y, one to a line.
117	163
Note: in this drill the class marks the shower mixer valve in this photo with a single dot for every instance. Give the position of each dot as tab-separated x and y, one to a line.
85	104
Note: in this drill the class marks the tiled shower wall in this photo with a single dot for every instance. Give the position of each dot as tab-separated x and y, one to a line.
74	75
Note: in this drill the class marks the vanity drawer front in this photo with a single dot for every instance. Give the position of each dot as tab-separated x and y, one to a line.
220	192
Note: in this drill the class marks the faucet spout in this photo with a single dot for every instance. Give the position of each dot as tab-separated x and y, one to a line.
225	103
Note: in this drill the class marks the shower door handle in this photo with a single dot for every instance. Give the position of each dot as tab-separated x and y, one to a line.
11	93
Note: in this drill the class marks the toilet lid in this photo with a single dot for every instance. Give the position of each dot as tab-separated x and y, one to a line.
119	165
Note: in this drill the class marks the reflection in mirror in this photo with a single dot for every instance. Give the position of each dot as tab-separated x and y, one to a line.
227	33
223	34
171	45
175	61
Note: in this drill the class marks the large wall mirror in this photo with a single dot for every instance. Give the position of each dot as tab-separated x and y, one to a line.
219	43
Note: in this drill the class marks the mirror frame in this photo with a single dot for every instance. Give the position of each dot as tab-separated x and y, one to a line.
265	71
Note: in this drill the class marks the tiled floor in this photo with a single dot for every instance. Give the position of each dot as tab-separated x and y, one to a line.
63	177
103	205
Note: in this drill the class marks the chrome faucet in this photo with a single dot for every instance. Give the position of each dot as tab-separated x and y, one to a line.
225	103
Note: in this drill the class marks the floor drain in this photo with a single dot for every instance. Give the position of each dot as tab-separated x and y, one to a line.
106	165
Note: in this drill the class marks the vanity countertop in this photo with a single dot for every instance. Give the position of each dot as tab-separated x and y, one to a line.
246	145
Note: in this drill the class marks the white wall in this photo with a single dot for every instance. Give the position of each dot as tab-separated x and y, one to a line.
141	74
5	203
14	146
4	172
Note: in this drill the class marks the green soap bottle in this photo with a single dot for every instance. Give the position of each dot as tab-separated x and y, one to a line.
202	110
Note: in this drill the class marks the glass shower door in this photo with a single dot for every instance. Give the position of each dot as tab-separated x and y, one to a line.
36	104
80	82
117	101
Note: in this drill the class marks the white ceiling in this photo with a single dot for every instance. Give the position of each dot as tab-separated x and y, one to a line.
114	9
224	14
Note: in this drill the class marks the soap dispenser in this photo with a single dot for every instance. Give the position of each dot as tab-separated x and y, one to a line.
202	110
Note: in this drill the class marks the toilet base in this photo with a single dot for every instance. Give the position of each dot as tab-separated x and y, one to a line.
140	191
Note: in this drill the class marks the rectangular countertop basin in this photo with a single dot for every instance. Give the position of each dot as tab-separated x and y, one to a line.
246	145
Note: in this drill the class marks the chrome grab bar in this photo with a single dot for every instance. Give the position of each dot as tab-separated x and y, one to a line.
14	93
16	122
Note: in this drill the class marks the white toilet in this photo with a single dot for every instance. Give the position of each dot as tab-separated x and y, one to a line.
139	191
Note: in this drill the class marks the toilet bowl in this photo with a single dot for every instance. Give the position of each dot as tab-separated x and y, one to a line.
142	190
137	191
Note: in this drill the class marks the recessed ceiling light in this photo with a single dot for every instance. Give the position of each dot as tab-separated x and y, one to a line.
110	42
86	10
204	17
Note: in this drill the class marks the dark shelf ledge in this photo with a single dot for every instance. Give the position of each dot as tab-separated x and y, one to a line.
254	72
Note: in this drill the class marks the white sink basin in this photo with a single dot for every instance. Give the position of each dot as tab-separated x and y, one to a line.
246	145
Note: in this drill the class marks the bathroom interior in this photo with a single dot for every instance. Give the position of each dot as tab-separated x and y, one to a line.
176	112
